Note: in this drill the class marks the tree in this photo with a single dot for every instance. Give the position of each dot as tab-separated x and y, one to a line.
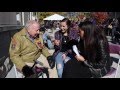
100	17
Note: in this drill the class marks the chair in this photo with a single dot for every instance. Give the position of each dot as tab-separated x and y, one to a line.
13	73
113	72
117	69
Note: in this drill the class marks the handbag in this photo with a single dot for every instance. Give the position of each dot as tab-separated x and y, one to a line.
96	73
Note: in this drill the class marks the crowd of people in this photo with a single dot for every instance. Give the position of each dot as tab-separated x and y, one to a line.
81	49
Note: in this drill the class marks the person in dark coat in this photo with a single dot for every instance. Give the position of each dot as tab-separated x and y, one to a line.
93	59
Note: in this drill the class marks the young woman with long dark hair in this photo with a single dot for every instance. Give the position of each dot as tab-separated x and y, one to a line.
62	37
94	59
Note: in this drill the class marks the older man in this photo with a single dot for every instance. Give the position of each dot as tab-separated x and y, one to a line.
27	46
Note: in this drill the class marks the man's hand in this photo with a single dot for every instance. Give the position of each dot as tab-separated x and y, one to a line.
27	71
51	61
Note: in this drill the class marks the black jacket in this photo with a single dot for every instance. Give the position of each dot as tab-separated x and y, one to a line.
101	64
102	67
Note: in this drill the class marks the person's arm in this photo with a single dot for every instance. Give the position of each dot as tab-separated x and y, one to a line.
72	47
15	51
45	51
103	61
103	55
57	41
75	49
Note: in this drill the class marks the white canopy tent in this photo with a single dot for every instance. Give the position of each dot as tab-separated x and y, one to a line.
54	17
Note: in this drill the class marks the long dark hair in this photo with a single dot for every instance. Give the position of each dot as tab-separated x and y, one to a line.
92	34
68	22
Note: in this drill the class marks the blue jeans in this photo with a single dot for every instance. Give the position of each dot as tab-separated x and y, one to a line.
60	63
